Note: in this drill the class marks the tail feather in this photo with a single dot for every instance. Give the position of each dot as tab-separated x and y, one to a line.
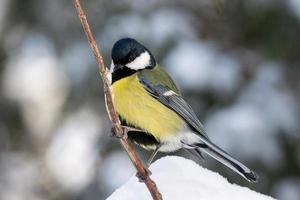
223	157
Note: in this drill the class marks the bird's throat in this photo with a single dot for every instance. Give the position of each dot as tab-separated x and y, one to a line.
122	73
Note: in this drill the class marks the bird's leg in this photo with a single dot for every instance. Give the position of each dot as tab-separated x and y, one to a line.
113	133
153	155
140	177
143	178
126	129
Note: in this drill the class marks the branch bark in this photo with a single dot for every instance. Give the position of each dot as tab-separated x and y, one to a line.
127	145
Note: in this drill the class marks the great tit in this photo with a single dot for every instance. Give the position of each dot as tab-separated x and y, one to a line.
147	99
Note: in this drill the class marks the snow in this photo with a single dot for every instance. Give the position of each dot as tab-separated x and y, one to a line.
260	112
19	176
110	169
179	178
77	62
33	78
72	154
288	188
157	28
203	67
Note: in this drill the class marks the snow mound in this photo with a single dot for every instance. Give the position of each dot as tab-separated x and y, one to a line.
179	178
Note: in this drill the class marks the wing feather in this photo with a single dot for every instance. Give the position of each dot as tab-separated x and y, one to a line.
174	101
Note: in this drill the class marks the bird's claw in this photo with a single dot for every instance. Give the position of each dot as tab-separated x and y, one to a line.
113	133
128	129
142	178
125	129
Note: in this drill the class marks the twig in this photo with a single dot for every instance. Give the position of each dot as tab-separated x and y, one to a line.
127	145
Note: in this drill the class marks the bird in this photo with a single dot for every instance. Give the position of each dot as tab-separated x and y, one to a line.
148	101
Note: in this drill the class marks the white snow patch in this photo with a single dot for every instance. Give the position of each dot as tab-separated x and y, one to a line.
157	29
72	155
179	178
20	176
111	168
199	65
288	188
76	61
33	78
263	108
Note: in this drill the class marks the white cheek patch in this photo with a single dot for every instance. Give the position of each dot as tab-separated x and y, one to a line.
140	62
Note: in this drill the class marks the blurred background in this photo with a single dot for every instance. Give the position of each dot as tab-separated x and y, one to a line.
236	62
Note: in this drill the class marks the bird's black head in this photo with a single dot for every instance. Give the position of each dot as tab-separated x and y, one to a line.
129	56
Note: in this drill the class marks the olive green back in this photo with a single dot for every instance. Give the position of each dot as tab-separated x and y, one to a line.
159	76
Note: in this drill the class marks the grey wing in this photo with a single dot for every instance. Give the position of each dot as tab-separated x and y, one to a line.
175	102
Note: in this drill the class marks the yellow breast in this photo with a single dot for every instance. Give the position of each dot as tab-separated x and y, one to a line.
139	109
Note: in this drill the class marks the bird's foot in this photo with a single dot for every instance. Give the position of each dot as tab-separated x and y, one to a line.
113	133
143	178
126	129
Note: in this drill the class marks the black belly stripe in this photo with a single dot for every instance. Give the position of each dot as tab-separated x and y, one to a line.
140	137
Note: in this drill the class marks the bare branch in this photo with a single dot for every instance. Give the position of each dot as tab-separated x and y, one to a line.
127	145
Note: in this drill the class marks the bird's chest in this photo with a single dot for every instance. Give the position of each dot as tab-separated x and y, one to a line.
139	109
